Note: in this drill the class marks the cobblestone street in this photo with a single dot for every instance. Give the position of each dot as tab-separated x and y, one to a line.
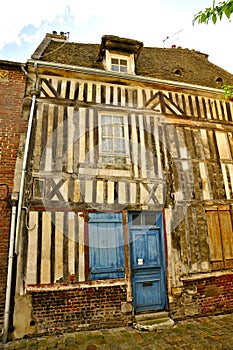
215	332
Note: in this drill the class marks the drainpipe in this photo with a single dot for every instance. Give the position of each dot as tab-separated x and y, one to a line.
24	165
9	274
15	221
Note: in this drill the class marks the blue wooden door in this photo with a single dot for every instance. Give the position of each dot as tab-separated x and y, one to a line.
147	261
106	246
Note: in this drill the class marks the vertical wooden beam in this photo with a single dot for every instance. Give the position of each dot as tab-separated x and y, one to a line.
98	93
58	266
127	255
82	256
82	131
70	140
37	148
91	136
49	143
71	243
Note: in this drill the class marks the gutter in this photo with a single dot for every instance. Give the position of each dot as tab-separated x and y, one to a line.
15	221
129	77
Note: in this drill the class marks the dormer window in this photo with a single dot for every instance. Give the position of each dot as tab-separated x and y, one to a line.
119	65
119	62
119	54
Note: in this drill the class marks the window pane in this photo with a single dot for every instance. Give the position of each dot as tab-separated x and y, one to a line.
150	218
115	68
118	120
123	69
123	62
106	119
136	219
107	145
115	61
118	131
107	130
119	145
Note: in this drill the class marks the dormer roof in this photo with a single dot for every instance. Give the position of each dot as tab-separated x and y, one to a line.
120	45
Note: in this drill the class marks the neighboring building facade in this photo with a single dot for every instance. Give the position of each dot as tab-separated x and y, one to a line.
127	199
12	88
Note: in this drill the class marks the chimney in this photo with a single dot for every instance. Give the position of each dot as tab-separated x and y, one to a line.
54	35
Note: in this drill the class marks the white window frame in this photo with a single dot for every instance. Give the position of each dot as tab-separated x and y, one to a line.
129	58
115	157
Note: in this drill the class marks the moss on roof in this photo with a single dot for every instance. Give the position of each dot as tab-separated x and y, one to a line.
174	64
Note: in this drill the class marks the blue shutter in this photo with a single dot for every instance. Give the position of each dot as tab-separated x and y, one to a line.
106	246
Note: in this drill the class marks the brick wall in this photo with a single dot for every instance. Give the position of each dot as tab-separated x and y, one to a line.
203	297
215	295
80	309
12	87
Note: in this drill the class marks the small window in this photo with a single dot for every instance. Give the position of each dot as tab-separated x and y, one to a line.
145	218
219	80
114	147
177	72
119	65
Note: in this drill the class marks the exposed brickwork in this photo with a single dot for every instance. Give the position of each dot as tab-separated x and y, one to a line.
12	87
215	295
81	308
203	297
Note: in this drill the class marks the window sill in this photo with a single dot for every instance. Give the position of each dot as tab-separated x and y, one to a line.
76	285
104	170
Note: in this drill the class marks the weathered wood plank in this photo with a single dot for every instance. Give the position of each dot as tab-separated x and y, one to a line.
81	248
71	243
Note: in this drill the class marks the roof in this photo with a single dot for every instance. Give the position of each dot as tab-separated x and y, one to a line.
10	64
175	64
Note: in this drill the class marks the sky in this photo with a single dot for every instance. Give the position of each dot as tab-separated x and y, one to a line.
157	23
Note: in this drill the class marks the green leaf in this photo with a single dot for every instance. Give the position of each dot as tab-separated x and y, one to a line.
215	12
214	18
227	10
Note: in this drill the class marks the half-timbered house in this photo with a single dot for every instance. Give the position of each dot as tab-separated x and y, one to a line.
125	206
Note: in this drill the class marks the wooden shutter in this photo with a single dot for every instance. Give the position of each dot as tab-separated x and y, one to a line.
220	233
227	235
106	246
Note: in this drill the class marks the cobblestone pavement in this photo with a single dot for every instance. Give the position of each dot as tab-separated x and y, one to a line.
215	332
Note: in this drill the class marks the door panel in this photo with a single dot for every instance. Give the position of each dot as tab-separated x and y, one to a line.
148	292
147	264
